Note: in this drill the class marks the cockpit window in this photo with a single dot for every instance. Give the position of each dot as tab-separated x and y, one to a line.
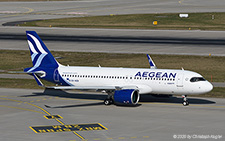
196	79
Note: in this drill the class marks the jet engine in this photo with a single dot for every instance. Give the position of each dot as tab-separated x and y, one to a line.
126	96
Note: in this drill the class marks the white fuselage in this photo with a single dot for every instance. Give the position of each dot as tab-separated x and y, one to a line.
155	81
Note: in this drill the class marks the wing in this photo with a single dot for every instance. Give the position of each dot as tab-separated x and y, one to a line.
143	89
93	87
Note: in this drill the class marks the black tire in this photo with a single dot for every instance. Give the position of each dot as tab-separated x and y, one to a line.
185	103
107	102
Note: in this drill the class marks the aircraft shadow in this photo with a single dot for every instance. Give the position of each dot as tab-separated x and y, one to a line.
192	100
143	98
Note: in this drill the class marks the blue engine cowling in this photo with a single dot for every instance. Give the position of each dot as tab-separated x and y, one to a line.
126	96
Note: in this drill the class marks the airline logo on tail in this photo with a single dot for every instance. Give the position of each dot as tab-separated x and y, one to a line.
40	55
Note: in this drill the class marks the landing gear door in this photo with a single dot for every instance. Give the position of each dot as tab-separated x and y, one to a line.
180	80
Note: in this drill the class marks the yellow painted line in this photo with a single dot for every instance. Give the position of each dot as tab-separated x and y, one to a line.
17	14
109	138
39	108
11	100
53	117
60	121
42	113
78	135
29	10
21	109
133	137
33	129
145	136
60	116
121	138
103	126
7	96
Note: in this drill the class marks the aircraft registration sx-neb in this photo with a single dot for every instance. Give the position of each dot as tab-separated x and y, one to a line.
123	85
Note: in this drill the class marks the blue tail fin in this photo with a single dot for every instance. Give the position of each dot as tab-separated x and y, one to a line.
40	55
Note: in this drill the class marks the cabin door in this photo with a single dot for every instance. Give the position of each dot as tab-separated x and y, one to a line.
180	80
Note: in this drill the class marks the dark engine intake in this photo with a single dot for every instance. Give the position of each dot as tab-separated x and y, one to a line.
126	96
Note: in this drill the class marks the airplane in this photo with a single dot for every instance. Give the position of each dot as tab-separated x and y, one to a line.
123	85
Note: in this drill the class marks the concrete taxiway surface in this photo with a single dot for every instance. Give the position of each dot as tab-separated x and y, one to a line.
156	119
103	40
119	40
17	11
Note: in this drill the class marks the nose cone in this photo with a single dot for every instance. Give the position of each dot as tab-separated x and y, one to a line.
208	87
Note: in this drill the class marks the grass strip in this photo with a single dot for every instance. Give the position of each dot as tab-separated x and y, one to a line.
195	21
211	67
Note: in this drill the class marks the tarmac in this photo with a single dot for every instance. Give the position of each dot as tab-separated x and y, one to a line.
34	115
119	40
155	119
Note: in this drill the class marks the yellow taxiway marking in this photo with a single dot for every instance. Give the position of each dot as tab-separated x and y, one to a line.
53	116
29	10
145	136
21	109
16	14
44	111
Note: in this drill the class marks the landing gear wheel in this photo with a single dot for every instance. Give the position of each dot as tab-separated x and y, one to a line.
185	103
108	101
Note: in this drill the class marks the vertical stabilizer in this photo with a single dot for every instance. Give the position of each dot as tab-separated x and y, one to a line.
40	55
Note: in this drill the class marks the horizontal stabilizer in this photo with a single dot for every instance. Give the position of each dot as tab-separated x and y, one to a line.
38	80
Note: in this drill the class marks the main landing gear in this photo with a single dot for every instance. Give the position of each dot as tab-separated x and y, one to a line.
109	99
185	101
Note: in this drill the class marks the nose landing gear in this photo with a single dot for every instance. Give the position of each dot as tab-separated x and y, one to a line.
185	101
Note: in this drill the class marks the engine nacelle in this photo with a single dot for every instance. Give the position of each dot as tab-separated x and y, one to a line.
126	96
